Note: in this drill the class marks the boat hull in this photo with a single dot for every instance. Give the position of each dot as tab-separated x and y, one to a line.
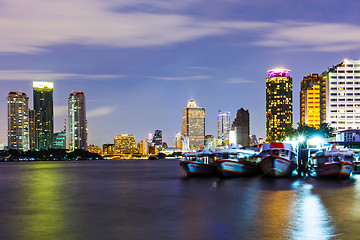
236	169
340	170
275	166
198	169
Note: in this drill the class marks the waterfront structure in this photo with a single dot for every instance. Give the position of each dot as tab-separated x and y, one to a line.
18	121
108	149
157	138
193	124
125	144
350	136
313	100
223	126
144	147
93	149
77	121
32	144
240	128
279	105
60	140
44	119
343	96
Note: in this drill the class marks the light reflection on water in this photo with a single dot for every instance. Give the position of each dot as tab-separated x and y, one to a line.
154	199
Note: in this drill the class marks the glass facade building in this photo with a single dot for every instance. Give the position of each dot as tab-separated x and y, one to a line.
44	119
279	105
223	126
77	123
193	124
18	121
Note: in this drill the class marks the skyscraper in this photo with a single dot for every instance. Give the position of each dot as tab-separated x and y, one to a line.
32	141
18	121
313	100
77	121
241	128
193	124
278	103
223	126
157	138
43	106
343	95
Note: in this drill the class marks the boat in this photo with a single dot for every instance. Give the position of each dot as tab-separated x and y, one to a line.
199	163
235	161
277	159
334	163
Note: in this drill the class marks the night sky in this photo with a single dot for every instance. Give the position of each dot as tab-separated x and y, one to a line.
139	62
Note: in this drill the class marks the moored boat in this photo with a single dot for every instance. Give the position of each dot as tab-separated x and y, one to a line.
277	159
234	162
199	163
334	163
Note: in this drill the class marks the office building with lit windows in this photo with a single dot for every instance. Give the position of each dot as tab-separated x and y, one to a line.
223	126
77	121
279	105
313	100
343	95
44	119
125	144
157	138
18	121
108	149
60	140
32	144
193	124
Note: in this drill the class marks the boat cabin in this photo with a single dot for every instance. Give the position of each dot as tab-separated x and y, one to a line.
283	150
205	158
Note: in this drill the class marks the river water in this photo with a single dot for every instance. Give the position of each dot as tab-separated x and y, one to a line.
139	199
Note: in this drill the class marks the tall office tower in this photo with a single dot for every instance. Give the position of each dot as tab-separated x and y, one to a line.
313	100
125	144
343	95
193	124
60	140
18	121
157	138
77	121
278	103
223	126
44	119
240	129
32	144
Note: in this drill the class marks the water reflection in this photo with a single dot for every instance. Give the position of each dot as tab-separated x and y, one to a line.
43	211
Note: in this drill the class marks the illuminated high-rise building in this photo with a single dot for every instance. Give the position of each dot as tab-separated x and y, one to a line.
60	140
144	147
157	138
44	119
313	100
32	142
125	144
343	95
223	125
77	121
241	128
178	141
108	149
193	124
279	106
18	121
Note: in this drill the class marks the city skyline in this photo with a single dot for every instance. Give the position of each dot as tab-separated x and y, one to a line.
138	80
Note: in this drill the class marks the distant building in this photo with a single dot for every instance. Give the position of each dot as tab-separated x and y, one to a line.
348	136
125	144
108	149
44	118
32	143
77	121
240	128
313	100
177	140
343	96
60	140
210	142
223	125
253	140
157	138
279	106
193	124
18	121
144	147
93	149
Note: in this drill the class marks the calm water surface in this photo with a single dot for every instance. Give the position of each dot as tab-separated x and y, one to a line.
141	199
